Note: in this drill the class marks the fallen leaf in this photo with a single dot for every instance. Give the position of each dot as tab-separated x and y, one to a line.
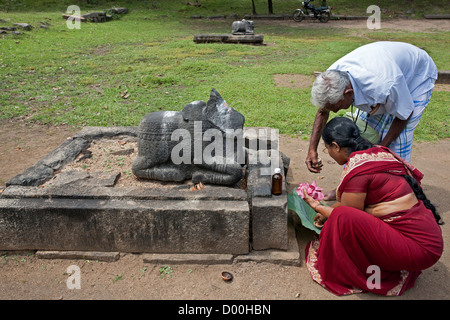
125	94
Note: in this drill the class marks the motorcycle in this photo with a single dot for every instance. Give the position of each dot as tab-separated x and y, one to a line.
322	13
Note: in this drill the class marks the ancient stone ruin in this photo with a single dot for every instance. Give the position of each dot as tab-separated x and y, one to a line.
51	206
15	29
196	125
102	16
242	32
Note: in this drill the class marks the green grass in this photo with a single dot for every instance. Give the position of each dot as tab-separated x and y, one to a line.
78	77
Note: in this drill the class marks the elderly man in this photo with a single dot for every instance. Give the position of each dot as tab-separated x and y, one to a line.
390	84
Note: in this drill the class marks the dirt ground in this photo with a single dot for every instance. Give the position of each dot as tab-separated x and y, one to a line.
24	276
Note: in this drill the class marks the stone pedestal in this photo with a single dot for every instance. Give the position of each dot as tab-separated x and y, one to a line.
229	38
84	211
123	224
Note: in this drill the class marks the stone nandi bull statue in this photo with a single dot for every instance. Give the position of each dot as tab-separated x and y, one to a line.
204	142
242	27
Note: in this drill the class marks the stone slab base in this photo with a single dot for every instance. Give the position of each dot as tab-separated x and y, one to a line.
229	38
82	211
77	255
443	77
125	225
289	257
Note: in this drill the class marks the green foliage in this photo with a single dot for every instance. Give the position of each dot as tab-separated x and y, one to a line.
165	271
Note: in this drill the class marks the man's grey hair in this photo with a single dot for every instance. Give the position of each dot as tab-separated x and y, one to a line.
329	87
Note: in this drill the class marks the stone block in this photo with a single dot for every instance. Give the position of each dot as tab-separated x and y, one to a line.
119	10
259	185
270	223
84	255
443	77
437	16
24	26
209	259
95	191
229	38
83	179
124	225
260	170
91	133
32	176
55	160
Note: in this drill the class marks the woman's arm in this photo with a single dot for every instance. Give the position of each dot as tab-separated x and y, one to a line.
354	200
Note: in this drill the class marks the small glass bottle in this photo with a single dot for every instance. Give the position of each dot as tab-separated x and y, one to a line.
277	182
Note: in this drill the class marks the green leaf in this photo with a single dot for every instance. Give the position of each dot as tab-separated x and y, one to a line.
303	210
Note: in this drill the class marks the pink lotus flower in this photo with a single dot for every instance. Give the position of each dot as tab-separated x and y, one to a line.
311	189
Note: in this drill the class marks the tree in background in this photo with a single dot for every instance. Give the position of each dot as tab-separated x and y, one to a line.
253	7
269	3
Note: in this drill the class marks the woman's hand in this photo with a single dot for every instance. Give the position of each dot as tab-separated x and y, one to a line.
319	220
309	200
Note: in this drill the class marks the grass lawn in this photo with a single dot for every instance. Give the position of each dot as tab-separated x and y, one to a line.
114	73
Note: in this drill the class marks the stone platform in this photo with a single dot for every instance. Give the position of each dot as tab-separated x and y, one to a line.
85	212
256	39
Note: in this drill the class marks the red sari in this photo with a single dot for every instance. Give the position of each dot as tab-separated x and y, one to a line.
358	252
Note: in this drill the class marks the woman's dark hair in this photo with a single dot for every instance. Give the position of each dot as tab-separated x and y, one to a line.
420	195
346	134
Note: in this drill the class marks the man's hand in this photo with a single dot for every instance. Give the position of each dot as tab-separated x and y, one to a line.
313	162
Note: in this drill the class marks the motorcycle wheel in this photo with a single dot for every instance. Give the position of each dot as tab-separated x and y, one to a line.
324	17
299	16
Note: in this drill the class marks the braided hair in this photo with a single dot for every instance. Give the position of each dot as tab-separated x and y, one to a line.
420	195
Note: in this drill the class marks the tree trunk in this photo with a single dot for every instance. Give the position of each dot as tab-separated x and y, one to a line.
253	7
270	7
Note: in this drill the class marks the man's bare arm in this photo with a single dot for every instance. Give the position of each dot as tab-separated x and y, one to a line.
394	131
312	161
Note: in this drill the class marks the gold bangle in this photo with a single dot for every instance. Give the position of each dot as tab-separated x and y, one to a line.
315	208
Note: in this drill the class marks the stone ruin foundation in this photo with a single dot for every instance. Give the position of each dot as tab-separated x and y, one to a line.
242	33
66	203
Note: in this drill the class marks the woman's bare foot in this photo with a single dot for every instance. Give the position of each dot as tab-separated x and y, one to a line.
329	195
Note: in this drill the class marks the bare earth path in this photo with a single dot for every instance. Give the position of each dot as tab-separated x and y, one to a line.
27	277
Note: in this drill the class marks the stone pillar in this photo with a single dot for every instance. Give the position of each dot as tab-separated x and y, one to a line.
269	213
